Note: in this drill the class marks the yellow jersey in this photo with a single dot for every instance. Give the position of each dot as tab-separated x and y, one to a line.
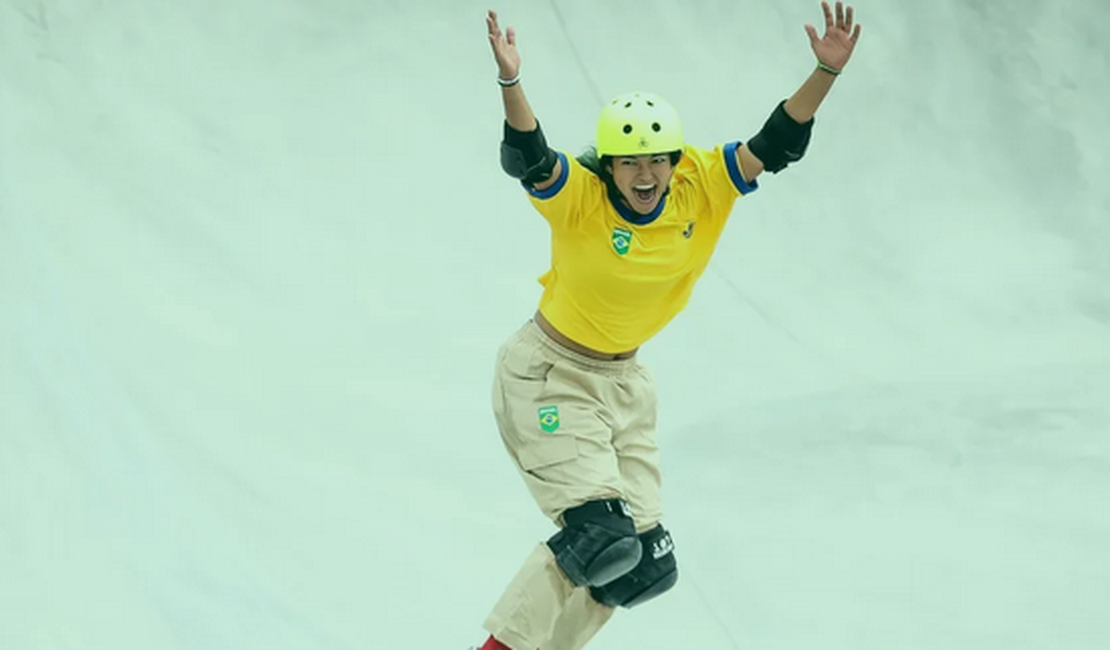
618	277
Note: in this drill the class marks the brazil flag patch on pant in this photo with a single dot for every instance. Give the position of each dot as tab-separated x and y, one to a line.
549	418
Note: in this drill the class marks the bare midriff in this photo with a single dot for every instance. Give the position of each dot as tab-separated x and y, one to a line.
574	346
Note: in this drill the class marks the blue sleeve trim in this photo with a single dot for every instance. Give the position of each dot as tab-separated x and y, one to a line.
734	173
558	185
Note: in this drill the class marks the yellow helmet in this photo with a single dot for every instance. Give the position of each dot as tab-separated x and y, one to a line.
634	124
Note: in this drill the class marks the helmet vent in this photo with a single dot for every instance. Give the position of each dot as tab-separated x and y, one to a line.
655	127
628	104
650	103
627	129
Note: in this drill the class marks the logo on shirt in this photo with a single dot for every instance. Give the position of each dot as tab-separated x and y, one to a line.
689	232
622	240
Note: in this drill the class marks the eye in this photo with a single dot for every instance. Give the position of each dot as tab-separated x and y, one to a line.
658	160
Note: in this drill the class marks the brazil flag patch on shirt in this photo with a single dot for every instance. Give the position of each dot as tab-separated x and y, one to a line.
622	240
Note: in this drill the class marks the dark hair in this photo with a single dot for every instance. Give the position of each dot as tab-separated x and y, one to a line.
597	164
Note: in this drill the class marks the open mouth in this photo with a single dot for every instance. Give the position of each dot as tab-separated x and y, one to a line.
645	194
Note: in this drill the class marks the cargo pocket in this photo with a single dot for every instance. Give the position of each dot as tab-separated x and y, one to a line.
520	371
532	425
547	452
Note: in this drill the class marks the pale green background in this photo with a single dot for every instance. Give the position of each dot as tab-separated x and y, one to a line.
256	257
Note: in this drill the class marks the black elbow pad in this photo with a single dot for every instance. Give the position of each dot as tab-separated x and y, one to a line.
525	155
781	141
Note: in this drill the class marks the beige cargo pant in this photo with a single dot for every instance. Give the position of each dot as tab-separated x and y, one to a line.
577	429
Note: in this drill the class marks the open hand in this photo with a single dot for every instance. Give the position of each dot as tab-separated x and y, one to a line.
504	47
835	47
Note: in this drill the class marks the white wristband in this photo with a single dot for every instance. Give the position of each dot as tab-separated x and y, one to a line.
505	83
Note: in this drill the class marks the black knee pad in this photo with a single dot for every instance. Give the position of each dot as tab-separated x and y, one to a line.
656	573
598	543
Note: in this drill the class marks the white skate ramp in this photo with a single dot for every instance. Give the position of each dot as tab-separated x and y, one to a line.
256	259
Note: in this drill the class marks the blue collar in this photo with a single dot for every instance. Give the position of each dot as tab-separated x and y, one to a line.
630	215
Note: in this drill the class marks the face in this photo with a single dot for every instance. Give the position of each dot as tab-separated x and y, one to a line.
642	179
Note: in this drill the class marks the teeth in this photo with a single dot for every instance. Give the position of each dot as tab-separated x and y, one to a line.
643	188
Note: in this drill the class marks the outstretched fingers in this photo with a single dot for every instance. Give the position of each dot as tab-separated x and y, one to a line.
495	26
495	33
813	37
844	20
492	26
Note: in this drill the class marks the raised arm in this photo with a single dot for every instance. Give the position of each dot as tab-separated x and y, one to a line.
524	151
785	135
